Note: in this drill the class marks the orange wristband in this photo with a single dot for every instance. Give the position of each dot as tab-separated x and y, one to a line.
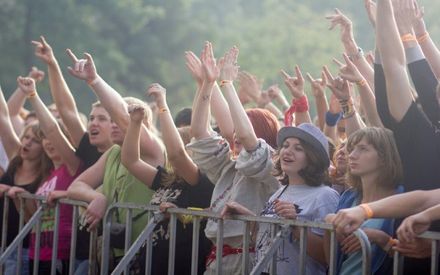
362	82
163	110
93	82
408	37
367	209
423	37
33	94
224	82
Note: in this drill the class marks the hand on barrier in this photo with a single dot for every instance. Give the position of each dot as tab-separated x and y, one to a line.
95	211
14	191
4	188
164	206
55	195
346	221
413	226
419	248
234	208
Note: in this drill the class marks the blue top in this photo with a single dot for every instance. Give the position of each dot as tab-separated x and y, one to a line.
352	263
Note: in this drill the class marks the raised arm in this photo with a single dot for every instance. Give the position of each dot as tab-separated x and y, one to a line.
10	140
244	131
201	109
318	91
61	94
179	159
351	48
296	87
50	126
130	155
219	106
341	89
116	106
393	60
17	100
430	50
350	72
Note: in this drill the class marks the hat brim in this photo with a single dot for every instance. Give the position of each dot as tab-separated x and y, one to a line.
287	132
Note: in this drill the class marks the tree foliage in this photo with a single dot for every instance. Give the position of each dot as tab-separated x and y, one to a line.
136	42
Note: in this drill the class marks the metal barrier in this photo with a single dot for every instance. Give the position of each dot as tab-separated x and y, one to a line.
35	221
247	220
280	229
435	238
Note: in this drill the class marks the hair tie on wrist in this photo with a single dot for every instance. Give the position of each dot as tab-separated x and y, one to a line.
224	82
408	37
367	209
423	37
33	94
93	81
362	82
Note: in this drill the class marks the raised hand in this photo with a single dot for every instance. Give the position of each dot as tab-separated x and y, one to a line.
82	68
36	74
348	71
228	65
158	93
249	86
413	226
419	24
137	112
44	51
273	91
295	84
27	85
194	66
210	70
318	85
338	18
406	15
339	87
370	7
264	99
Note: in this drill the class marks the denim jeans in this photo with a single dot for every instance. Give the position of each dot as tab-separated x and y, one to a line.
11	263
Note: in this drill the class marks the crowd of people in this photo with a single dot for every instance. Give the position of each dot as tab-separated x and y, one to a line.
368	160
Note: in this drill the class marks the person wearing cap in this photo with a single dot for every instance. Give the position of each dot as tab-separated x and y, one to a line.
301	164
374	172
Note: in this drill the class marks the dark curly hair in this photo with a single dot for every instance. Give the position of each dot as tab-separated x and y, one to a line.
314	174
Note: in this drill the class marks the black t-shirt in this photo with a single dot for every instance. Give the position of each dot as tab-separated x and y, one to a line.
418	142
14	216
89	155
87	152
183	195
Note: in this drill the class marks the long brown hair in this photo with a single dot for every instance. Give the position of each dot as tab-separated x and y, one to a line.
44	166
390	168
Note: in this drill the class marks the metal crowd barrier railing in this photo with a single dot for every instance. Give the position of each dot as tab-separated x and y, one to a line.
280	228
435	238
285	228
35	221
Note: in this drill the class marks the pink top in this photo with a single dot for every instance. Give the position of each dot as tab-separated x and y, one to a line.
59	179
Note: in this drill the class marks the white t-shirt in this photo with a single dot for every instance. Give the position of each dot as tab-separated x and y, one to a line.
315	203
